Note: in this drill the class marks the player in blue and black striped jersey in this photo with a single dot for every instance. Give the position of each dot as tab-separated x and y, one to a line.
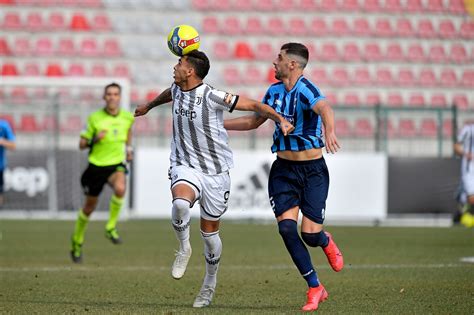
299	178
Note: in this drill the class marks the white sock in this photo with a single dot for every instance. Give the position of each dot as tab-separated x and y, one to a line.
180	218
212	255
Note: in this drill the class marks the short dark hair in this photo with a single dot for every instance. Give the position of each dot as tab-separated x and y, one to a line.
199	62
297	49
113	84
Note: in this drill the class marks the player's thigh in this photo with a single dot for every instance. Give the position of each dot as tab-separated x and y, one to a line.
185	183
118	182
283	188
315	192
215	196
93	180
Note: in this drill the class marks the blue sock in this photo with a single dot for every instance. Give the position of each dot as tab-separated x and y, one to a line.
289	232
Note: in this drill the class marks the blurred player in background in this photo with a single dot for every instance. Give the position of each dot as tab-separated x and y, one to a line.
299	178
7	142
464	147
108	137
201	159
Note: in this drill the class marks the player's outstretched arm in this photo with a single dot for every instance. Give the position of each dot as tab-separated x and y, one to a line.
323	109
163	98
247	104
247	122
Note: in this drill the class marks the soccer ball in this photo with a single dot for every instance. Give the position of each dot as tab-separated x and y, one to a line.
183	39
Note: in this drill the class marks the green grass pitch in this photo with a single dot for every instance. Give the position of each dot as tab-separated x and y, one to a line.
387	271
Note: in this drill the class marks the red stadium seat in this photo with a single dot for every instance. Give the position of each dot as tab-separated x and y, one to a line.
428	128
31	69
404	28
435	6
351	99
44	47
386	128
318	27
221	49
79	22
383	28
276	26
66	47
112	48
328	52
19	96
350	5
332	98
231	75
340	27
416	100
406	77
88	48
363	128
416	53
49	123
91	3
458	53
329	6
460	100
253	76
34	22
438	100
362	77
264	51
21	46
242	5
221	5
201	5
264	5
427	78
9	69
4	47
72	124
394	52
243	51
308	5
467	29
447	29
448	127
467	78
76	70
457	7
297	27
342	127
448	78
437	54
340	77
393	6
100	22
395	100
98	70
319	76
414	6
406	128
361	27
351	52
372	99
285	5
372	52
56	21
54	70
151	95
425	29
142	126
384	77
254	26
12	21
121	70
28	123
231	26
210	25
371	5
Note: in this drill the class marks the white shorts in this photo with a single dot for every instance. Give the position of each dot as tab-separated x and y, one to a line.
212	191
468	183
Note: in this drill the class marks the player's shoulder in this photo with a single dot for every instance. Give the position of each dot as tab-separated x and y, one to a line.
275	87
307	86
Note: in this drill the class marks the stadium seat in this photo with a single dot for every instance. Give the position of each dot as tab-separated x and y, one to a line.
372	52
395	99
21	46
435	6
371	5
456	7
415	53
416	100
404	28
4	47
121	70
383	28
460	100
361	27
467	29
276	26
393	6
31	69
98	70
76	70
438	100
340	27
387	128
210	25
437	54
363	128
308	5
200	5
406	128
12	21
34	22
458	53
372	99
49	123
361	77
254	26
350	5
297	27
285	5
328	6
406	78
44	47
271	75
221	49
9	69
447	29
351	52
151	95
264	5
328	52
428	128
332	98
427	78
448	78
351	99
242	5
243	51
425	29
88	48
56	21
383	77
253	76
112	48
72	124
318	27
342	127
91	3
231	75
394	52
54	70
28	123
448	127
467	78
19	96
231	26
311	50
66	47
340	77
100	22
264	51
221	5
414	6
142	126
79	22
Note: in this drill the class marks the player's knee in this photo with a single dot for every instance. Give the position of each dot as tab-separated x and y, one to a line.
314	239
181	205
288	228
119	191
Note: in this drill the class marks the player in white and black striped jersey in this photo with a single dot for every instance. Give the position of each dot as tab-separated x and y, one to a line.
200	159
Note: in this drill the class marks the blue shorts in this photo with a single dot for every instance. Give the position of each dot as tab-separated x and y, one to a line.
299	183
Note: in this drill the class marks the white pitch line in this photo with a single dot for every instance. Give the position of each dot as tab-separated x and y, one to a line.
231	267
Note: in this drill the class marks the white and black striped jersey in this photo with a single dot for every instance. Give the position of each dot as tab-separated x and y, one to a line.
199	139
466	138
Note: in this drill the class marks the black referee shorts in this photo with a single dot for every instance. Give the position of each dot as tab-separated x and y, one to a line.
95	177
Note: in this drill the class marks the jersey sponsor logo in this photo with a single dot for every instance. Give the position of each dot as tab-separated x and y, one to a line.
198	100
213	261
32	181
189	114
